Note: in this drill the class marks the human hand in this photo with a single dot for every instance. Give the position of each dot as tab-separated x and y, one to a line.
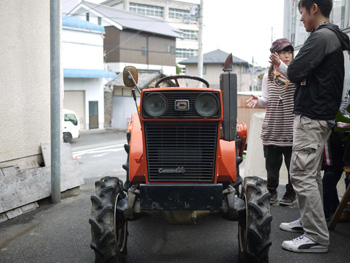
253	101
275	59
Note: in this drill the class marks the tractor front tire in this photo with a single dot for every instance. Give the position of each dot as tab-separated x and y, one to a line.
109	229
254	225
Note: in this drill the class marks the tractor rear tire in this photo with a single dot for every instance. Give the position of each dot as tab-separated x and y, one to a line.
109	229
254	225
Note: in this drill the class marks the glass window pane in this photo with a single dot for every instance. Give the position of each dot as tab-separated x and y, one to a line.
149	10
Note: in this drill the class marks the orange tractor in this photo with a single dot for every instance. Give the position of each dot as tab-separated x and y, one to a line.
184	151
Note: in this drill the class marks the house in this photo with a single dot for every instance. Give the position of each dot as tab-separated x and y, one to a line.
181	15
121	97
83	69
132	39
213	63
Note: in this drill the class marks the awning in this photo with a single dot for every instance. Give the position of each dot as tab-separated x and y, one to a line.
88	73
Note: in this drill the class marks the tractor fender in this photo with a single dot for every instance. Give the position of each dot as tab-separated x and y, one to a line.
226	161
136	157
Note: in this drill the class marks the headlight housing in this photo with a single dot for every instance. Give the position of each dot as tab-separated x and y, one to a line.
155	105
206	104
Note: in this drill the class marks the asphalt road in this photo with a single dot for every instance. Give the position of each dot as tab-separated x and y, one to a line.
61	232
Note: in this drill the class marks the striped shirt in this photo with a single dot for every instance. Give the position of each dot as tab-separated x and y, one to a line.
277	127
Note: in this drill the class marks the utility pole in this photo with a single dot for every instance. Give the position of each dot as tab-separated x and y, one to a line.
271	34
200	42
252	76
55	70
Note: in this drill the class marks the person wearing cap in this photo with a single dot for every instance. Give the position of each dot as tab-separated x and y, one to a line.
277	127
318	71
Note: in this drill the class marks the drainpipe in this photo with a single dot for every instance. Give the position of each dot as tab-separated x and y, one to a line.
55	70
200	43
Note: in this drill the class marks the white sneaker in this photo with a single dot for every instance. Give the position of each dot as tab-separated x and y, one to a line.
305	245
294	226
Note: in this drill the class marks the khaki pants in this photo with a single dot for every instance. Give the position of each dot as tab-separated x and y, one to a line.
309	138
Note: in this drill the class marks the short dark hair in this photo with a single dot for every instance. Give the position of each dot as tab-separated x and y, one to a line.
286	49
324	5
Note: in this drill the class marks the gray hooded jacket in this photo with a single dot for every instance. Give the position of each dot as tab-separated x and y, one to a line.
318	71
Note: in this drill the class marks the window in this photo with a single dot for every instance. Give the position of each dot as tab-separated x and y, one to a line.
299	35
340	16
87	17
338	13
204	69
189	34
178	13
169	49
185	53
148	10
99	21
71	117
144	51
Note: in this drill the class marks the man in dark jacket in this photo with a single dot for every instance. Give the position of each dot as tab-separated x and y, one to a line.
318	70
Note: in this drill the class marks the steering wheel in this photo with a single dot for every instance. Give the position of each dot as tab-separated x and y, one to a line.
172	79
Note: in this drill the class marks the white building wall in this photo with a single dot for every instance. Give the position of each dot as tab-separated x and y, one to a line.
25	78
93	92
84	50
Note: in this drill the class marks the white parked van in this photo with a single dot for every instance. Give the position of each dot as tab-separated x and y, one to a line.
71	126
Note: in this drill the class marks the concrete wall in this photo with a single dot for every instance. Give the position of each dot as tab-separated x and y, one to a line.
255	161
25	78
123	110
244	113
25	176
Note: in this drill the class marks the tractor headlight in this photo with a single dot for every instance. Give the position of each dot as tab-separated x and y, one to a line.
155	105
206	105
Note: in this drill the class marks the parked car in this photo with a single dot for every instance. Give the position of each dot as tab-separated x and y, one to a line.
71	126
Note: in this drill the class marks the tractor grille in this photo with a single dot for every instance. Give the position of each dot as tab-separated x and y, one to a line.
172	96
181	152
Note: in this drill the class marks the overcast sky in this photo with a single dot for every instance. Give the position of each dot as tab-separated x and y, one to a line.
241	27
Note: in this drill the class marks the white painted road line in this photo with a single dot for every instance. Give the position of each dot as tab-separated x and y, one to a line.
102	150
